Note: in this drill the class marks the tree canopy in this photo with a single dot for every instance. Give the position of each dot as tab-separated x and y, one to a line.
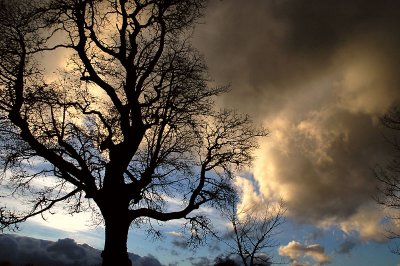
125	128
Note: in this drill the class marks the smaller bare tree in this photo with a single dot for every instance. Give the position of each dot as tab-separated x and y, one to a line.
253	231
388	175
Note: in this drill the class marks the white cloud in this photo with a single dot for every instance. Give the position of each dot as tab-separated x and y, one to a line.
249	196
296	250
78	222
175	234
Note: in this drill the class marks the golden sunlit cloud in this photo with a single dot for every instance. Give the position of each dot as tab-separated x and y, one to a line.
296	250
367	83
320	94
317	160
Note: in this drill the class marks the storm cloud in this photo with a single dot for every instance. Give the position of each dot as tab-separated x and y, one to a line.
318	75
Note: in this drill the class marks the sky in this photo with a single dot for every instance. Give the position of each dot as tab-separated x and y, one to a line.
318	75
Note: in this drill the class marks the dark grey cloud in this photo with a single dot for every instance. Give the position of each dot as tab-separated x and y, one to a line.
174	253
316	234
180	243
20	250
214	247
200	261
347	246
68	248
8	247
228	259
148	260
261	260
319	27
267	49
318	74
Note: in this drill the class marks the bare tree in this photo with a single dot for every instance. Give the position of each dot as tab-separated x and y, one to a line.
253	231
126	128
389	175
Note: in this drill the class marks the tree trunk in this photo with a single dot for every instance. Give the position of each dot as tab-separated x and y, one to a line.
244	259
116	236
114	208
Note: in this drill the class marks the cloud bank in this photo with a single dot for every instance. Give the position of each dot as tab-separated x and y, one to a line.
20	250
318	74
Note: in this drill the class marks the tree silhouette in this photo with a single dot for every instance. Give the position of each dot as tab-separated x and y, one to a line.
253	231
126	128
389	175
